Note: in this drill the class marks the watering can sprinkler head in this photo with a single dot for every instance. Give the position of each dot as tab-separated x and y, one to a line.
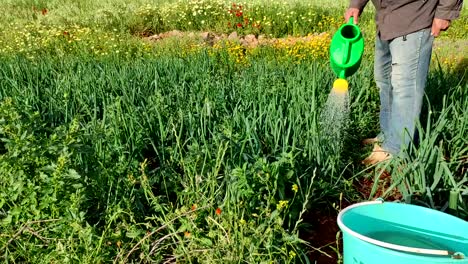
346	49
340	86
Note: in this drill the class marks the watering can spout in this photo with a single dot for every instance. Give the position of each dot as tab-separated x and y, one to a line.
342	74
346	49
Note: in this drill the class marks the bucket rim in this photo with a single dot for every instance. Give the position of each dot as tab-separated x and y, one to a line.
376	242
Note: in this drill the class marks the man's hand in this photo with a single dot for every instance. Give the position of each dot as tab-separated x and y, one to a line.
352	12
439	25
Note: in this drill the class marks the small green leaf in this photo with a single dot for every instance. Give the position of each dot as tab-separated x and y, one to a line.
7	220
206	242
73	174
133	233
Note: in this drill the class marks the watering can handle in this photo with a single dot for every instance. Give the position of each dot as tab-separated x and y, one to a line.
346	56
347	48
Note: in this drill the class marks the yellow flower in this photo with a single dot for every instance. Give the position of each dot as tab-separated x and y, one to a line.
282	204
295	188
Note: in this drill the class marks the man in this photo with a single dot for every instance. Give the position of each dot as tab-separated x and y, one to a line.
403	47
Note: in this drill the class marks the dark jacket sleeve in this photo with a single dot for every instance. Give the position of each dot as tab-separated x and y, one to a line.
447	9
360	4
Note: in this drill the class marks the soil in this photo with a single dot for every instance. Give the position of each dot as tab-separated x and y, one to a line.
322	237
364	187
324	228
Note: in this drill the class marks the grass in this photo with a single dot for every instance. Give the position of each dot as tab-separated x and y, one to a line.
190	152
196	133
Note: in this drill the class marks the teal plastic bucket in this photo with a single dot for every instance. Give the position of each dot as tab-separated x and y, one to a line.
396	233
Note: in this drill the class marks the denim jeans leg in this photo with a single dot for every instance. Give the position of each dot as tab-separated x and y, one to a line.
411	56
382	75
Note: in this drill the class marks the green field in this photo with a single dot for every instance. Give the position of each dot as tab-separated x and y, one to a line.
115	148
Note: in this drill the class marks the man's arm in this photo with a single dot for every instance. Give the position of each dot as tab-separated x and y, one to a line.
359	4
355	9
448	9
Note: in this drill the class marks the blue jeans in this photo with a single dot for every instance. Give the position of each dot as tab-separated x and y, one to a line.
401	67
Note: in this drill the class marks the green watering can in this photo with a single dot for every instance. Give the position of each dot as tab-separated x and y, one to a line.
346	49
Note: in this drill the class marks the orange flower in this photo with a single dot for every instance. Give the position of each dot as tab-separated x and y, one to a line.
187	234
218	211
194	207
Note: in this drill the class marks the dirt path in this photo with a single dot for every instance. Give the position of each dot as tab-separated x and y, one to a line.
249	40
